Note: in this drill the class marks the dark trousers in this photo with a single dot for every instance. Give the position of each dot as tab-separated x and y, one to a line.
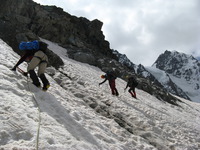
35	79
132	91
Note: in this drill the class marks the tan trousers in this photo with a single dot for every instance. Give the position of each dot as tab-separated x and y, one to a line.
40	59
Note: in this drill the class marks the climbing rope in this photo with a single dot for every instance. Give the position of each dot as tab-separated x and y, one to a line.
39	116
35	100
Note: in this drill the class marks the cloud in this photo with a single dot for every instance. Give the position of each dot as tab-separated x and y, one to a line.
142	29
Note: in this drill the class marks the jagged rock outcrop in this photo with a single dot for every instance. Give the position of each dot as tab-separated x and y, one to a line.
22	20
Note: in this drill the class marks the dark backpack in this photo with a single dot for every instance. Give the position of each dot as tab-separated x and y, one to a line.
132	82
42	46
111	75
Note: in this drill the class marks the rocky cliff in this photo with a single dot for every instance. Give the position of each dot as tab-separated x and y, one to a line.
27	20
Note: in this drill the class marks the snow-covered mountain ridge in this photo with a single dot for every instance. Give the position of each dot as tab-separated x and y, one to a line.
77	114
183	70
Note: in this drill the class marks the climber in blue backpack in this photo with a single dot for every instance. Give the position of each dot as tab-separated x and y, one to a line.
36	57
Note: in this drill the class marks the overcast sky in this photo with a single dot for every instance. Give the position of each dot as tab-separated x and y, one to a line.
142	29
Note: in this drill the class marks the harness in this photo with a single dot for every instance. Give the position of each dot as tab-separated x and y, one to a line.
41	61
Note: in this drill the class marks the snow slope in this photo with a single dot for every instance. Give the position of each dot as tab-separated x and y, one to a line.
76	114
167	81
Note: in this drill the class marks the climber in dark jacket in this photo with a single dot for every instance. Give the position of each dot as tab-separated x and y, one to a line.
132	83
111	79
36	58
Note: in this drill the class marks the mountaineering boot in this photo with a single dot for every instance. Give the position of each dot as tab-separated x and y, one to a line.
116	92
34	78
134	95
45	88
45	82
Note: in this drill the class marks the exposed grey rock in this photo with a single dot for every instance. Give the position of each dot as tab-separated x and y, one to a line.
85	58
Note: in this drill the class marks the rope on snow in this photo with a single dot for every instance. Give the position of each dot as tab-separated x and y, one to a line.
39	115
39	111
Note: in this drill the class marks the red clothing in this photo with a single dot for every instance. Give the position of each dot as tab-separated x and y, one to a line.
27	55
113	88
112	85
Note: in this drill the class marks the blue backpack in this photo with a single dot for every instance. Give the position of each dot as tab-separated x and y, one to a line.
33	45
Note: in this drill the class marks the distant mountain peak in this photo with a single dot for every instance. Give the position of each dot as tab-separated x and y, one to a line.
171	61
183	69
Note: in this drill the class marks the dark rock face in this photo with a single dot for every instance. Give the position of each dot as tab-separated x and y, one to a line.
23	20
16	18
168	63
85	58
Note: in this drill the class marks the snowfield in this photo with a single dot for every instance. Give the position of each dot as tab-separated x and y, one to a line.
78	114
